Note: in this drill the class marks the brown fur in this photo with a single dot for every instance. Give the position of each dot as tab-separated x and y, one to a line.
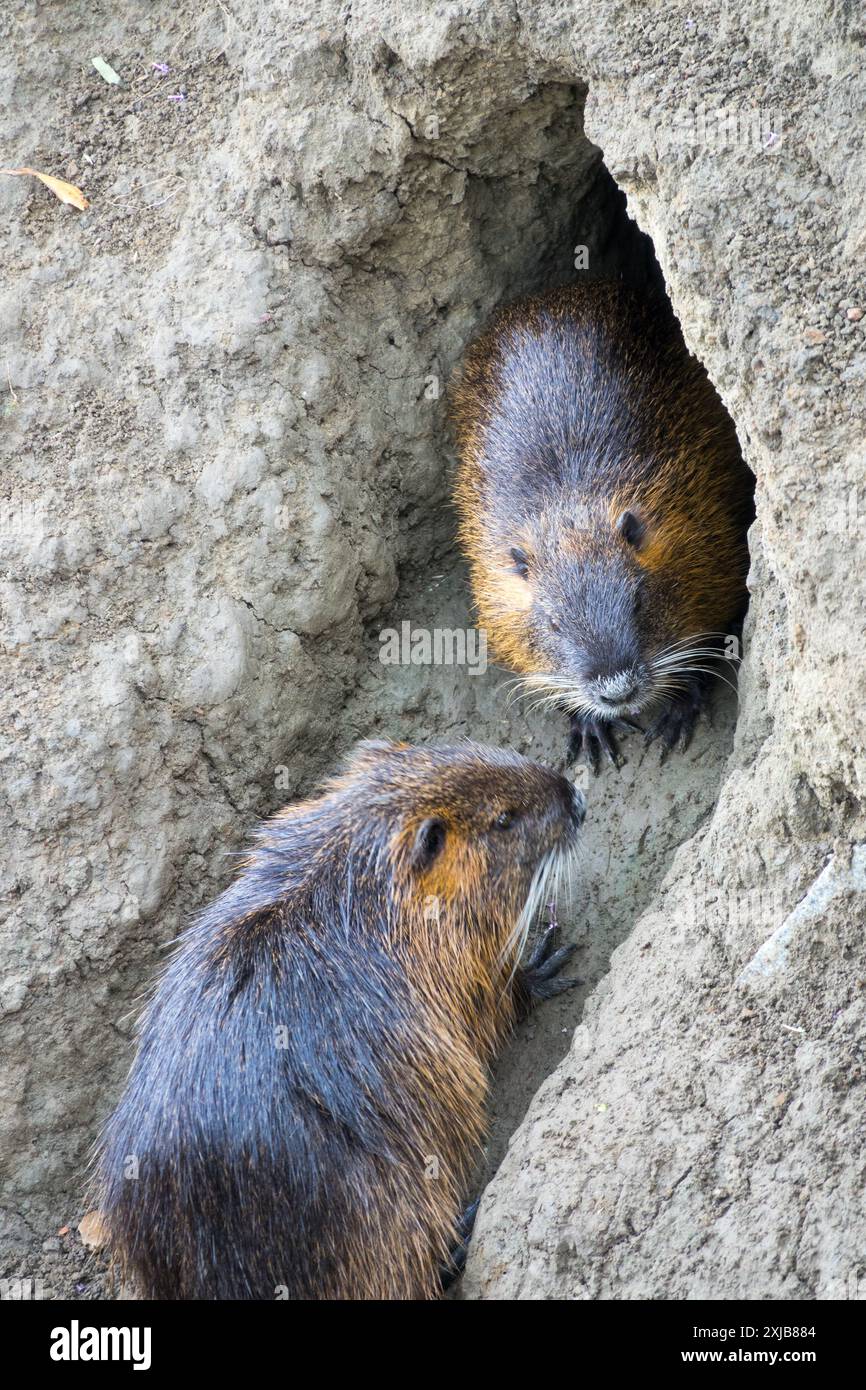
649	435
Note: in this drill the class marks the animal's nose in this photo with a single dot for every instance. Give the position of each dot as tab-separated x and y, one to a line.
621	698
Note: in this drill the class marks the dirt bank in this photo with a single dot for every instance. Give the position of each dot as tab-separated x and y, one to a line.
226	470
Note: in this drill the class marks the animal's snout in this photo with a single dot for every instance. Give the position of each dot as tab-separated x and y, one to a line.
620	699
618	688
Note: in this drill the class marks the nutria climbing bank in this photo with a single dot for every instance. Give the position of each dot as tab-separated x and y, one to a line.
604	505
307	1100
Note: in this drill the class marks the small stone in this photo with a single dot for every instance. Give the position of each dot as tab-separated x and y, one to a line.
814	335
855	315
93	1231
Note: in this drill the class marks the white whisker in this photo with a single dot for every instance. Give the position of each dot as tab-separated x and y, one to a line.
516	943
686	671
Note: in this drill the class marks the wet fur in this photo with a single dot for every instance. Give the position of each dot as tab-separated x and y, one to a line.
573	407
304	1167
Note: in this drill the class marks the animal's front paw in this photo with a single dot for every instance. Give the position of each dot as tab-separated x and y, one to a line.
675	723
595	739
538	976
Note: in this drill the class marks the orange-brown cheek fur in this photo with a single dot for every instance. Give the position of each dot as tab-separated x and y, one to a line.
456	930
502	607
504	602
509	592
699	554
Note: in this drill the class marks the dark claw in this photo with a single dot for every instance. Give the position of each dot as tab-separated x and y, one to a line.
457	1259
466	1224
595	737
554	962
537	976
676	722
549	988
543	947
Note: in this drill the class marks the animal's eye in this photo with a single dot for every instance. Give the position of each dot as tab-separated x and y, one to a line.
631	528
504	820
521	562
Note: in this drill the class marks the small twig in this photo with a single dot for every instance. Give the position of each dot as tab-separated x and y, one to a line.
167	198
145	207
9	381
150	183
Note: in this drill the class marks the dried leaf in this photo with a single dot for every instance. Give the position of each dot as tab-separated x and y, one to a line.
105	70
66	192
93	1230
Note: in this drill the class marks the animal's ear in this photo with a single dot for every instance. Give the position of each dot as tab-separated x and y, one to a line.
367	755
521	561
371	749
429	843
631	528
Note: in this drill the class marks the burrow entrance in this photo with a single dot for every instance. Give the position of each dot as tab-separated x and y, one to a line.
638	816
